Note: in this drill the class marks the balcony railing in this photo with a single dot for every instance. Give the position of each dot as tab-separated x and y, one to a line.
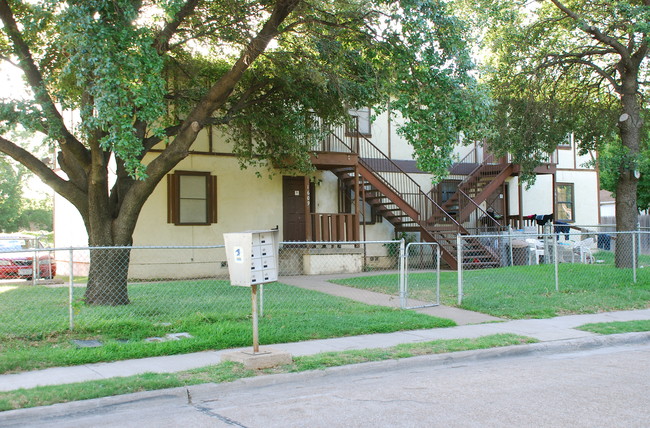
333	227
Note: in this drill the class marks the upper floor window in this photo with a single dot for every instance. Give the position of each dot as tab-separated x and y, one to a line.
191	198
564	202
360	121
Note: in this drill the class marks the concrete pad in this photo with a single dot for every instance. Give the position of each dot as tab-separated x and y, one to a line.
87	343
264	359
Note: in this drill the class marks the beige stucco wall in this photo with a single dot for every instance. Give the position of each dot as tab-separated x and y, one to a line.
244	202
539	198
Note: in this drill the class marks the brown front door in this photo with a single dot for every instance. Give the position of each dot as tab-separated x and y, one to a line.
293	206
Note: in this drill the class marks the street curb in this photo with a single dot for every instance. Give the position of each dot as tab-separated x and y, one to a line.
442	360
192	395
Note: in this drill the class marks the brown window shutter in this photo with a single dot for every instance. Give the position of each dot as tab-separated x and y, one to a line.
212	200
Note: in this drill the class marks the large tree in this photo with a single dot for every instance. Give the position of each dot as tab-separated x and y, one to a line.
573	66
145	74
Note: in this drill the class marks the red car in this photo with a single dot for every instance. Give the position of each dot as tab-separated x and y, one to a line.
17	254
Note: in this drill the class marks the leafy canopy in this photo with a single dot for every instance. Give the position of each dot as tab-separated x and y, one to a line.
555	68
106	60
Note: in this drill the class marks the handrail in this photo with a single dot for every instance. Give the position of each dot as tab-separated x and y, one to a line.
487	215
474	152
479	166
365	152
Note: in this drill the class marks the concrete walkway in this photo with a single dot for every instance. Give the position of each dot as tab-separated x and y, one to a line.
546	330
322	283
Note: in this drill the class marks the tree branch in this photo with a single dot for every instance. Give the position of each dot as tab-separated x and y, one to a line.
589	64
200	115
583	53
161	42
595	32
65	188
54	120
150	142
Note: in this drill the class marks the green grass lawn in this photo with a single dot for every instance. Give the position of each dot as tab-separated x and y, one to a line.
529	291
617	327
34	330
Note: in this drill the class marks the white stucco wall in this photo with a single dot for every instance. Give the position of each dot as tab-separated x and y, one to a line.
585	191
538	199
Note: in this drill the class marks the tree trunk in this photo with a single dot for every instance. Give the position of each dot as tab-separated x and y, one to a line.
107	279
109	266
627	218
627	214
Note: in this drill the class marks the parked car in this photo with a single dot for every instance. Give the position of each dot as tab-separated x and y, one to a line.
17	254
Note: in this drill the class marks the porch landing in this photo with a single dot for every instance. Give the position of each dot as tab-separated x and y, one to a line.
321	283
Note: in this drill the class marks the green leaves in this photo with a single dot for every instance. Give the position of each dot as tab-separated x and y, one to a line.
127	82
113	75
555	72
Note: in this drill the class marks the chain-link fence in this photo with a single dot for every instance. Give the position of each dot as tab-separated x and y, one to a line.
116	288
504	275
499	272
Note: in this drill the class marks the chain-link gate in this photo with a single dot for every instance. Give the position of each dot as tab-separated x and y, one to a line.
420	286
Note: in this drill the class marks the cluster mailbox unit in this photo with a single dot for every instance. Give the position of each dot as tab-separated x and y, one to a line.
252	257
253	260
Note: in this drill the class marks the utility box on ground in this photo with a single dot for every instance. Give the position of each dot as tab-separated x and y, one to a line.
252	257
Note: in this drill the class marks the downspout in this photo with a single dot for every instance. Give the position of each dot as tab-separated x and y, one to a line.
521	202
356	196
390	140
306	207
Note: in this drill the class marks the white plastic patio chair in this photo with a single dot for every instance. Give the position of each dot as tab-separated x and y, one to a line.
535	250
582	249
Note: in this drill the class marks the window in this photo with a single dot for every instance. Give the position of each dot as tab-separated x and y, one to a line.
360	122
447	189
564	202
192	198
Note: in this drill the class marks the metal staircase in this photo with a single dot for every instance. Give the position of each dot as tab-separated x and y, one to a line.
479	183
399	199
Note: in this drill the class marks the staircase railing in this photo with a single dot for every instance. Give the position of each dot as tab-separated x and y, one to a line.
391	175
402	186
485	220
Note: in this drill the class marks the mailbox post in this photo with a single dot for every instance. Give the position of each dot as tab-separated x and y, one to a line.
252	259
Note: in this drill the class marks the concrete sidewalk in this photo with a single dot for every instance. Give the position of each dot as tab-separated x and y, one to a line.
545	330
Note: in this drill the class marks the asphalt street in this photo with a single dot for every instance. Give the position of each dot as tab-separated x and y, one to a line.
597	387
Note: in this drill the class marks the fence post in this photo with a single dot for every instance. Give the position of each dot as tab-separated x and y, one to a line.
71	290
510	244
634	257
36	265
402	274
459	258
438	274
556	263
